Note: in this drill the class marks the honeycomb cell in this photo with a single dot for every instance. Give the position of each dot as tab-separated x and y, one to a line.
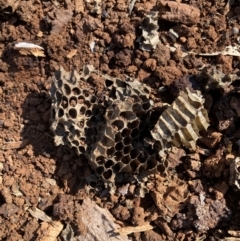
126	132
60	113
127	149
119	124
66	89
118	155
64	102
82	141
134	124
93	99
118	137
128	115
126	159
87	104
73	101
134	164
72	113
117	167
100	160
108	82
81	99
82	110
134	153
111	151
119	146
160	168
143	157
88	113
76	91
100	170
127	140
76	143
107	174
86	93
81	149
151	163
109	163
58	96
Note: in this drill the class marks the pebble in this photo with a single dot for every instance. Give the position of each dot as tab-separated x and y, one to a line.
235	31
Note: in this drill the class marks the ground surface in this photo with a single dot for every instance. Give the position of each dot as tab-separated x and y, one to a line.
196	202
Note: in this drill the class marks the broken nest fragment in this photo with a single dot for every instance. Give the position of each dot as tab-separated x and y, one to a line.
180	123
112	129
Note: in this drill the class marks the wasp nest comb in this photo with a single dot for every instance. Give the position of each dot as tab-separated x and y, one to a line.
181	122
112	129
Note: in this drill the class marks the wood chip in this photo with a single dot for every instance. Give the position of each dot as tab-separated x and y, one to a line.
15	144
71	53
39	214
128	230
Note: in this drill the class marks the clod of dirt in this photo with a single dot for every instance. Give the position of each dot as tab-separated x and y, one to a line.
180	123
149	26
179	12
235	173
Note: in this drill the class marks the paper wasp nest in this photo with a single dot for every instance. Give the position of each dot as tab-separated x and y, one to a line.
149	26
113	129
180	123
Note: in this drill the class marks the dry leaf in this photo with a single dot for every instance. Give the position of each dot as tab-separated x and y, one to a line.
128	230
71	53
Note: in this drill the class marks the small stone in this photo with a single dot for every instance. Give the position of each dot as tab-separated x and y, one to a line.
235	31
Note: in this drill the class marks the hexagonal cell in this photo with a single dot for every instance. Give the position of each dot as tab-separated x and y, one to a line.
95	110
117	167
82	110
127	140
76	91
126	132
60	112
119	146
134	124
66	89
100	160
118	155
73	101
118	123
107	174
81	99
128	115
93	99
72	113
88	113
111	151
134	164
134	153
118	137
127	149
126	159
86	93
87	103
151	163
64	102
143	157
109	163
